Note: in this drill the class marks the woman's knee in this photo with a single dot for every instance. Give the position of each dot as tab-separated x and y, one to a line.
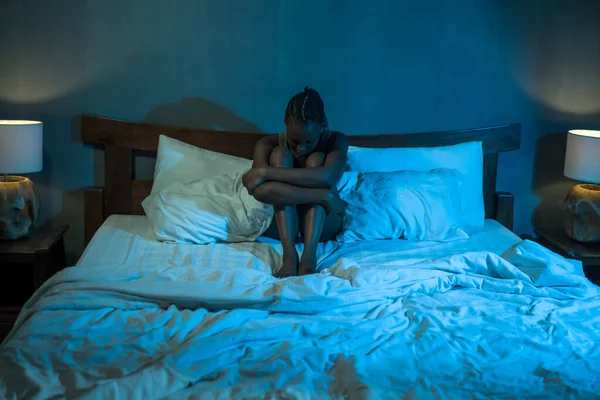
315	160
281	158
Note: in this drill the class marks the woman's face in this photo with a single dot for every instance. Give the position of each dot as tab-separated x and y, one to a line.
302	137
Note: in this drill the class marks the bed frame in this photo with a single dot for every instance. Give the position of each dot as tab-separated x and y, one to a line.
123	194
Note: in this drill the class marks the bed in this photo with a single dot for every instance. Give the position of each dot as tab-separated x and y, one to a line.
491	316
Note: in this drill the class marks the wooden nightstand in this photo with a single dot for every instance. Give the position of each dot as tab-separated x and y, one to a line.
558	241
25	265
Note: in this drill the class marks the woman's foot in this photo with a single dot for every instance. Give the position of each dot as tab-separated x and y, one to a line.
308	265
289	266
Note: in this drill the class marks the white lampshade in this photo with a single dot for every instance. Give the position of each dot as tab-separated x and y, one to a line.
582	161
20	146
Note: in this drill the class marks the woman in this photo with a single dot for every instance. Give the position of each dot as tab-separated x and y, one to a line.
297	172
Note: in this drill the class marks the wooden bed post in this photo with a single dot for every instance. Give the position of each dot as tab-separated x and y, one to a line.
505	208
118	176
93	200
490	169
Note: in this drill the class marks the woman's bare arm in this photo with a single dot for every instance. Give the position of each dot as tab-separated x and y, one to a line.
283	194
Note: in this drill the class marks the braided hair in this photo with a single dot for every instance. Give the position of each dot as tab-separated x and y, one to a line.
307	107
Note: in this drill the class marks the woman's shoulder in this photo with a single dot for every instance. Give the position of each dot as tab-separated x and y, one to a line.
335	139
270	139
336	135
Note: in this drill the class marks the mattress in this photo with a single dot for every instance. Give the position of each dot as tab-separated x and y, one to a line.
128	240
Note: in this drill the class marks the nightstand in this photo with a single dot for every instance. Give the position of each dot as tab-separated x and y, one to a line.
557	240
25	264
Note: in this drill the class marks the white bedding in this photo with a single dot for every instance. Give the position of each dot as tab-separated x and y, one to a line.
432	321
131	242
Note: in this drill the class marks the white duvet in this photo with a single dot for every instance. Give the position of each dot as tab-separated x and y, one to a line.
476	325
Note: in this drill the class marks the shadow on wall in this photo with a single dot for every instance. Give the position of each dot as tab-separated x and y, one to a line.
549	182
191	112
199	113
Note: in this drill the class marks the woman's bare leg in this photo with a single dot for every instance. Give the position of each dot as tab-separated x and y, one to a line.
286	220
314	222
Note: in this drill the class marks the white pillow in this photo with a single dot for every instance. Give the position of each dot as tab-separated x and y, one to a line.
413	205
218	209
177	161
466	158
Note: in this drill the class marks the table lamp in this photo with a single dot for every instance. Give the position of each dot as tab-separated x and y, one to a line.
20	153
581	211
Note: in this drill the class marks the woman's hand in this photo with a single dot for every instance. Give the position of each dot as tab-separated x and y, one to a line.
254	178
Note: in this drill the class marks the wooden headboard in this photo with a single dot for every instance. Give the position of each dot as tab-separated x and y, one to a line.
123	194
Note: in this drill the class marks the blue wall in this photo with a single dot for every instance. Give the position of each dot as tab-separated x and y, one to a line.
384	66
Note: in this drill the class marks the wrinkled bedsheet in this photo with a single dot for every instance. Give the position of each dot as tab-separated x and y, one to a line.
472	325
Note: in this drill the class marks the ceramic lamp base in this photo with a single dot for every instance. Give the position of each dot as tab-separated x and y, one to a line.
19	207
581	213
